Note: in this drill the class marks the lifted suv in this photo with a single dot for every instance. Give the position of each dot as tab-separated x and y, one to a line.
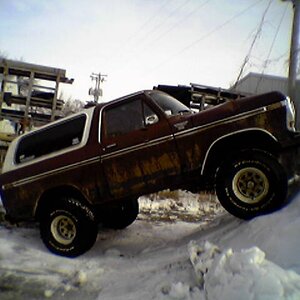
91	168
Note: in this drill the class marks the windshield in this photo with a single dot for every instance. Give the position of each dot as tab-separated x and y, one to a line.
169	104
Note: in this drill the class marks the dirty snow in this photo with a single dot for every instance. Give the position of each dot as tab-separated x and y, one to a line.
183	249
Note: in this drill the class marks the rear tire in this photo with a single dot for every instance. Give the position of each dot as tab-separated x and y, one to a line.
251	184
68	228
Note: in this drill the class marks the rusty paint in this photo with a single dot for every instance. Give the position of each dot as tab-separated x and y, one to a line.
145	160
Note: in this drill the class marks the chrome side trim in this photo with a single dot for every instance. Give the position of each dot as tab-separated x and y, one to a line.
137	147
290	114
223	121
231	134
89	161
49	173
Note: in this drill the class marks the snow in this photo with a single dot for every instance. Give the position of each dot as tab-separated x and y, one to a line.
247	273
182	246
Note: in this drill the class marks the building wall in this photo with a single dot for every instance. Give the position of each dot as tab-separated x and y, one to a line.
254	83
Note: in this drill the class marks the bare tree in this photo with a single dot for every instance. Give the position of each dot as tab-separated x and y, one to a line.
2	55
72	106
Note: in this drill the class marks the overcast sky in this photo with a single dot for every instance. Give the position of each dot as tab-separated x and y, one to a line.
142	43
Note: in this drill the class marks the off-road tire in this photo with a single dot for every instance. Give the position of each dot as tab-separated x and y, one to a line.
68	227
251	184
120	215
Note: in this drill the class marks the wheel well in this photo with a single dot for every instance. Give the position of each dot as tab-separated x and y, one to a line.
228	146
51	196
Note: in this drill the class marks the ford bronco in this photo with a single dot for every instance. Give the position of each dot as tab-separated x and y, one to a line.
90	168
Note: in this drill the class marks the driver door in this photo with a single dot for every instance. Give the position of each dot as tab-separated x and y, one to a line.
139	151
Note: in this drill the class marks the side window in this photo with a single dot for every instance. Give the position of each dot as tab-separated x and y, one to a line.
51	139
125	118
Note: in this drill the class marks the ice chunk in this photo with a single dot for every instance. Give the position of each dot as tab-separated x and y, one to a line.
244	274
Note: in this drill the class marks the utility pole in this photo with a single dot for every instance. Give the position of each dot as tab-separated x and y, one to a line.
294	54
97	91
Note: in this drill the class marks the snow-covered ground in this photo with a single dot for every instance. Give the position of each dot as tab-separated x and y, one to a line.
165	254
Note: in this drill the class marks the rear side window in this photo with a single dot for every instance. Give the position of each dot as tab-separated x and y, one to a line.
51	139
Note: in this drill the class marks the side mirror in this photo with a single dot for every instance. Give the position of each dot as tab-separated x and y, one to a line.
150	120
168	112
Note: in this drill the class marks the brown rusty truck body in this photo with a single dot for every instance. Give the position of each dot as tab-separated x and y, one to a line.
91	167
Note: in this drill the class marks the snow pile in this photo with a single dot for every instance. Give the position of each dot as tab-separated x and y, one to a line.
180	205
246	273
181	291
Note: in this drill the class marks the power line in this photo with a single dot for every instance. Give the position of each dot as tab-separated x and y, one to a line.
182	20
139	46
205	36
257	35
151	41
172	13
148	21
140	29
267	61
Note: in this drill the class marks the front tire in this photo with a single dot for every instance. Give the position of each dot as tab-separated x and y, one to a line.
68	228
251	184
